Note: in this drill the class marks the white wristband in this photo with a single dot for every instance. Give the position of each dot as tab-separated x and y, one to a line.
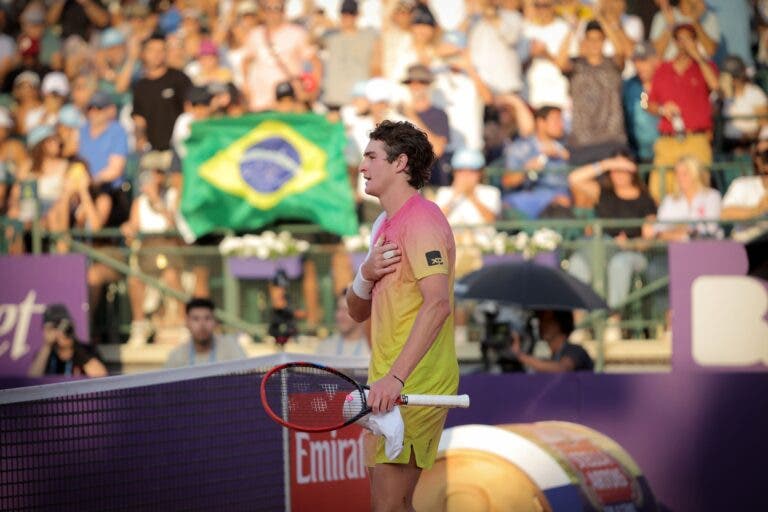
362	287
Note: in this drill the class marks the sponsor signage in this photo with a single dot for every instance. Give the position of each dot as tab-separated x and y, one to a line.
29	284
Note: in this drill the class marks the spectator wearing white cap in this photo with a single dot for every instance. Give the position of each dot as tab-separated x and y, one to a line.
354	115
26	93
467	201
55	91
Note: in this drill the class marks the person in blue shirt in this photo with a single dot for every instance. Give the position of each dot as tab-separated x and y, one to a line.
531	184
642	126
103	142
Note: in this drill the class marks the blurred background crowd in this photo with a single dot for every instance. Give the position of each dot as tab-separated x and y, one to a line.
537	109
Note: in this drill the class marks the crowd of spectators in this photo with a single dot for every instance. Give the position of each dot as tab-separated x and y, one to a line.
98	97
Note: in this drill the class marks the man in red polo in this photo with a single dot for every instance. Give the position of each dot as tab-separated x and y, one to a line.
680	92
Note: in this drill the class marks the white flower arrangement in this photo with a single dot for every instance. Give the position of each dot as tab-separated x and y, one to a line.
266	246
493	242
361	242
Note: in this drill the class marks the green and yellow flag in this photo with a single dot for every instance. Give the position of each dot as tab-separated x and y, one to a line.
246	172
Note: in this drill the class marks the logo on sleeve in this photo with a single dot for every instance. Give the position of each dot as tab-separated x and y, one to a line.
434	258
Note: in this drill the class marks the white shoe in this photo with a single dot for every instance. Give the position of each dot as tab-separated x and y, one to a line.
140	333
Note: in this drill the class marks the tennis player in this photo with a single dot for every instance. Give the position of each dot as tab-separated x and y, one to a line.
405	286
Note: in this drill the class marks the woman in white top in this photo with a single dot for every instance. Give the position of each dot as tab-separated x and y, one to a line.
41	183
152	217
682	213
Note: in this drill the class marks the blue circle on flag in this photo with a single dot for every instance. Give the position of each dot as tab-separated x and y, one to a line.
269	164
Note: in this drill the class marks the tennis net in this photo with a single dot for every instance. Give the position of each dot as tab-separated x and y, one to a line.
187	439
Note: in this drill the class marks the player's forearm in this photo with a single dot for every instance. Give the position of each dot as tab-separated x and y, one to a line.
359	309
429	321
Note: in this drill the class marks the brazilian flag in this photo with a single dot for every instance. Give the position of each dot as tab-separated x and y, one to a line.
246	172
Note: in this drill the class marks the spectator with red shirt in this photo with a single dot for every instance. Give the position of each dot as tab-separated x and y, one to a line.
680	92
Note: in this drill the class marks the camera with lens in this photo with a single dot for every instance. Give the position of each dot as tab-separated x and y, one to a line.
496	345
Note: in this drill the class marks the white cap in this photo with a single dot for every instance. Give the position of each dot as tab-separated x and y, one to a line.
55	82
379	90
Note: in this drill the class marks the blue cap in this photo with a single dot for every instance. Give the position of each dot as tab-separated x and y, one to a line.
100	99
468	159
70	116
111	37
170	21
38	134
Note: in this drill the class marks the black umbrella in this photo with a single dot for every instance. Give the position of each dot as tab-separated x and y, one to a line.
529	285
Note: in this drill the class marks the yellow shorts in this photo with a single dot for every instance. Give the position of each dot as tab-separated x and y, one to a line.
423	428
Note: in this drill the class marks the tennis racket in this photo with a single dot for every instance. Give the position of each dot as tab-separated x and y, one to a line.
314	398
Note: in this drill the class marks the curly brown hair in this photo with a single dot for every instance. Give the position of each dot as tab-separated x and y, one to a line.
403	138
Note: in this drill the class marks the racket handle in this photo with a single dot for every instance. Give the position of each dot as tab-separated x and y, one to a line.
447	401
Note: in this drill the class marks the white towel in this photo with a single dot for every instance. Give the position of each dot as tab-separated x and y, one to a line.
390	425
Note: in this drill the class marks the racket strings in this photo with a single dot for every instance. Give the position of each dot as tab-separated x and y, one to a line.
312	398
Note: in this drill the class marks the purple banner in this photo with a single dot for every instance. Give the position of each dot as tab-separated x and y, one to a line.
256	268
720	314
29	284
699	439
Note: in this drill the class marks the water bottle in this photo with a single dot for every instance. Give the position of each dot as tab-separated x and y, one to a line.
678	125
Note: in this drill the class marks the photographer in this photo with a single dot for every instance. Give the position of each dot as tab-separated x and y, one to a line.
61	353
554	328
